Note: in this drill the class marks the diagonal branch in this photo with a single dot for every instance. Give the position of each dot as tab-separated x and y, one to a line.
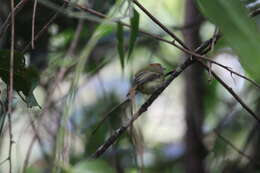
141	110
196	55
230	90
204	48
160	24
44	29
200	51
236	149
157	37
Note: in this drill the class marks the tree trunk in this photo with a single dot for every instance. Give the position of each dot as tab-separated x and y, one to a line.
194	93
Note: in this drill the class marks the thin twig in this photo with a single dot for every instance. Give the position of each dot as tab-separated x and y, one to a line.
10	87
2	162
141	110
107	115
33	22
203	57
247	108
98	14
36	134
102	16
44	29
7	22
60	75
204	48
160	24
236	149
220	125
192	53
250	137
230	70
230	90
73	45
186	50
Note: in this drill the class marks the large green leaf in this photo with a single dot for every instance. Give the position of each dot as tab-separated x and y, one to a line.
120	43
134	32
238	30
24	79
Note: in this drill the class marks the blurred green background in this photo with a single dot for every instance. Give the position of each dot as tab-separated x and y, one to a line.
82	71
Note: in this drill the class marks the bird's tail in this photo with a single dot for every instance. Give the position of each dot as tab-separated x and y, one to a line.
110	113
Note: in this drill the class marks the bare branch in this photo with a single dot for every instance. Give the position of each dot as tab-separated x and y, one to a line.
44	29
33	21
230	90
98	14
236	149
10	86
160	24
7	22
204	48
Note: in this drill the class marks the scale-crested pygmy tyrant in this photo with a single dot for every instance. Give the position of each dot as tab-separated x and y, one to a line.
146	81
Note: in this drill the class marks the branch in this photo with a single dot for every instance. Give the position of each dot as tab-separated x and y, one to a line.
102	16
198	55
204	48
33	21
236	149
141	110
230	90
7	22
160	24
10	87
184	49
44	29
98	14
255	12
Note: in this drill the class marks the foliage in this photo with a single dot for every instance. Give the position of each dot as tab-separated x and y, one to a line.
25	78
92	52
239	30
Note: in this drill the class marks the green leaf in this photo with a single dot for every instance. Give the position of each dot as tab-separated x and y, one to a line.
24	79
238	29
120	44
31	78
134	32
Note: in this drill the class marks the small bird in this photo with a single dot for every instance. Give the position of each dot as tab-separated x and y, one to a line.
146	81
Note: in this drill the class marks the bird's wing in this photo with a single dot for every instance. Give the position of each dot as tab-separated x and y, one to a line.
143	77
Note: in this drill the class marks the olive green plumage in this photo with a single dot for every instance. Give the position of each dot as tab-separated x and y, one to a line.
148	79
